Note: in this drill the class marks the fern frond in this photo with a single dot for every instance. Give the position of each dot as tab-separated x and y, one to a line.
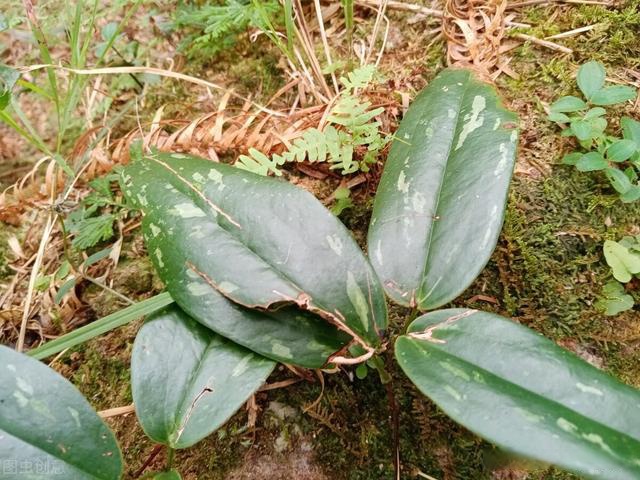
356	127
258	162
358	78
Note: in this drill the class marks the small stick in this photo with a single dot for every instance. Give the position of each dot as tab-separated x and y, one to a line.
573	32
117	411
543	43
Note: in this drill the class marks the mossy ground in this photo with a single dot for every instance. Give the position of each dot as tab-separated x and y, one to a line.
546	273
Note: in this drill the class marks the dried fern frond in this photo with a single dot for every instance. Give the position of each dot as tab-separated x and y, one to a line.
474	30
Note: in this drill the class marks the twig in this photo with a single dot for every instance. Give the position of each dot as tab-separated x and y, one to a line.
154	453
325	43
117	411
46	234
409	7
543	43
573	32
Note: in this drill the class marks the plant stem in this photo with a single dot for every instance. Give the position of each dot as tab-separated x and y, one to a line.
412	316
170	456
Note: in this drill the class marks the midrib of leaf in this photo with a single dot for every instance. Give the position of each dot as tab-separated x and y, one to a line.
539	398
456	133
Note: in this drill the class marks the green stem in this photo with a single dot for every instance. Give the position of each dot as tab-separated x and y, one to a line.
171	453
412	316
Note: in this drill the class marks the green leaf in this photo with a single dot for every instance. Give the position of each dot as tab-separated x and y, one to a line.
64	289
591	77
631	195
223	239
631	130
187	381
571	158
614	299
559	117
568	104
523	393
103	325
621	150
591	161
362	371
8	79
594	113
93	230
623	263
343	200
440	203
45	421
581	129
613	94
618	180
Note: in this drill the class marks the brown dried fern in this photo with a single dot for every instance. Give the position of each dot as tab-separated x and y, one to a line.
474	30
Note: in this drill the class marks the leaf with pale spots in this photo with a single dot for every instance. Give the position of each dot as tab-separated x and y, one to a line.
187	381
441	200
46	423
234	248
523	393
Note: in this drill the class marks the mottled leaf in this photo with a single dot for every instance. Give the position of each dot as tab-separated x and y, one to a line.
218	233
441	199
45	422
523	393
187	380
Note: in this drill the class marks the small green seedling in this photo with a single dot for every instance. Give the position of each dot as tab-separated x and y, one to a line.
617	158
624	259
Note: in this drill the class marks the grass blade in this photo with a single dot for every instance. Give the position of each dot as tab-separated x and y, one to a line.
104	325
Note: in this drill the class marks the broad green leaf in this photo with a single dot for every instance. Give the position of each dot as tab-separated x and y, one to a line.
598	124
614	299
571	158
631	130
45	422
623	262
621	150
613	94
618	180
594	113
440	203
559	117
631	195
591	161
591	77
187	381
523	393
568	104
222	239
581	129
